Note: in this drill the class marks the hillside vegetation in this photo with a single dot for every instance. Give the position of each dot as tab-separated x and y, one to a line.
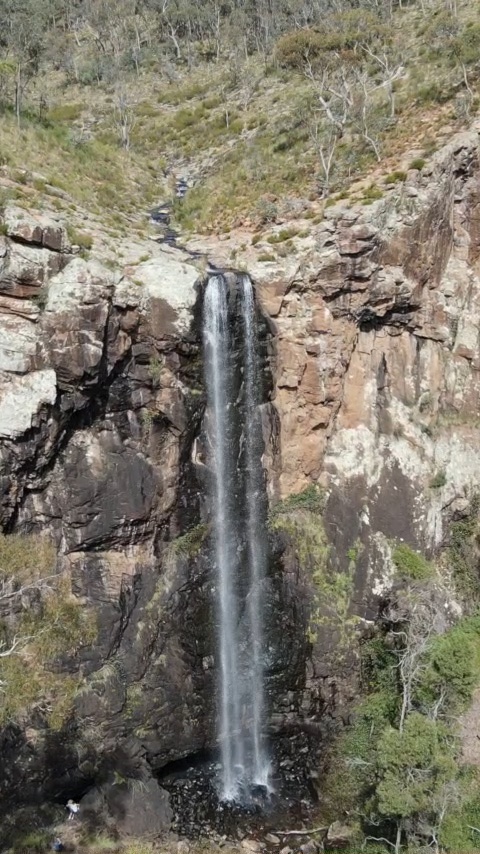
263	108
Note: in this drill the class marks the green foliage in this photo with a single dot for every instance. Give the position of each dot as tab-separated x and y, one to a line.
299	517
410	565
458	832
25	558
344	32
79	238
417	163
464	552
312	498
33	842
399	763
293	50
380	671
353	762
53	625
396	177
371	194
452	666
282	235
190	544
155	368
438	480
65	112
414	765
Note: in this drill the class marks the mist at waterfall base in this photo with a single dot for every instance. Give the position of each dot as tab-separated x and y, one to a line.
240	549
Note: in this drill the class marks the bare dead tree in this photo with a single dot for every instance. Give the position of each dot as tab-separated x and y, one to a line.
390	71
420	614
333	91
325	142
124	116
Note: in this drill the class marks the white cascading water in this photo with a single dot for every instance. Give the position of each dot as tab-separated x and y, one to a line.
216	344
240	635
255	535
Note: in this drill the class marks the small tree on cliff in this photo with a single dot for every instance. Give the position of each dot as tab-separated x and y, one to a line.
40	621
22	35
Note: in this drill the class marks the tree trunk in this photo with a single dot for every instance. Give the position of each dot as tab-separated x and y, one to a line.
398	840
18	93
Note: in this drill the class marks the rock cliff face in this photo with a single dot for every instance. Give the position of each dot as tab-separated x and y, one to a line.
372	327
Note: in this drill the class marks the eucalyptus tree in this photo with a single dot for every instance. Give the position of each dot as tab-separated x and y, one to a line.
23	34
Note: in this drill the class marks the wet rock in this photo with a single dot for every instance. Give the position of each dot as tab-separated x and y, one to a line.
286	850
309	847
272	839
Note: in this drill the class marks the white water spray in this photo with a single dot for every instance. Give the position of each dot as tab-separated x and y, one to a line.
240	611
255	534
216	340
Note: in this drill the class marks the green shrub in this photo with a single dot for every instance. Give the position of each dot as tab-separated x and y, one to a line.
464	552
372	193
36	842
79	238
59	625
438	480
282	235
458	832
190	544
414	764
417	163
433	93
65	112
312	498
409	564
155	367
452	667
266	257
395	177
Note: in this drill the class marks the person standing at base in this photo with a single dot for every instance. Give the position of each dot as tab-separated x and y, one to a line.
73	809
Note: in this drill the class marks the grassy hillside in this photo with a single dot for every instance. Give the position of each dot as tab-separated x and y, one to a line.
251	127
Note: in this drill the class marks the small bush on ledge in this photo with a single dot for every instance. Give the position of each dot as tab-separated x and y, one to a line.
312	499
411	565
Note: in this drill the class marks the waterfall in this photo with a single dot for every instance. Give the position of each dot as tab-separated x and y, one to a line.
256	542
216	344
233	430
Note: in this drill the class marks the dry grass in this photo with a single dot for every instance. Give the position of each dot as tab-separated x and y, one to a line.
239	132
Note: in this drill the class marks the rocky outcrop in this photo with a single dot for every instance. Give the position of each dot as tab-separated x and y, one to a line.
99	381
376	319
370	328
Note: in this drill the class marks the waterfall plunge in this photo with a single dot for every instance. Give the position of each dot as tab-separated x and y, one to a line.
235	496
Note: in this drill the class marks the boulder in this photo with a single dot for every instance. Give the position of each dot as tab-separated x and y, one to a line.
34	227
134	807
22	399
340	834
252	845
